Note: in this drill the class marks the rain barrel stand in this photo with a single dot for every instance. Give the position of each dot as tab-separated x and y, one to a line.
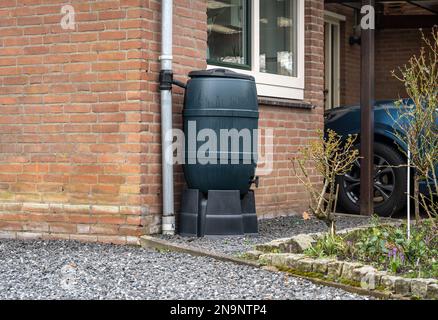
217	213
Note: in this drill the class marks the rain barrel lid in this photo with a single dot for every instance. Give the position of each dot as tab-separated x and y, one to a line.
220	73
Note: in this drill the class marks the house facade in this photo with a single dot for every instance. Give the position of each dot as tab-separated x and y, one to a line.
80	139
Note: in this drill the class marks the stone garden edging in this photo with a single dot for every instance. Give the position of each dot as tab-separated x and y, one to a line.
301	242
287	255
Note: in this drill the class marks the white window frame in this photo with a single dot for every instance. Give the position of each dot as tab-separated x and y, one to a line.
273	85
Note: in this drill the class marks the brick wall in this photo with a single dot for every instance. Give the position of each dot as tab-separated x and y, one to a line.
280	193
393	48
80	117
74	120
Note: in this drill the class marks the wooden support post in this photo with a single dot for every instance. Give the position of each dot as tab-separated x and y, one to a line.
367	118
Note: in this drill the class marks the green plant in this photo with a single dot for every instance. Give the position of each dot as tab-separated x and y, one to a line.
372	243
396	260
387	247
331	156
328	245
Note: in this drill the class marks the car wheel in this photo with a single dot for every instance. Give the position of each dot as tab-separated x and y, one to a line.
389	183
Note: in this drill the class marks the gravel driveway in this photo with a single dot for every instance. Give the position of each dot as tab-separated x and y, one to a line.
72	270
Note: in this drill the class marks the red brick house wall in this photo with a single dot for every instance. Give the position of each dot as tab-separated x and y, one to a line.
280	192
80	117
393	50
75	116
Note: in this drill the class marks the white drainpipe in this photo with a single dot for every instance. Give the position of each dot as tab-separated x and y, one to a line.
168	222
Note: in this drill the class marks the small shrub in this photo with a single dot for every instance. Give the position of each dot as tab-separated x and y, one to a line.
331	156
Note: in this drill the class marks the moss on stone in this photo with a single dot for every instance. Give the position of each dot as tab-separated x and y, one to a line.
348	282
302	273
263	261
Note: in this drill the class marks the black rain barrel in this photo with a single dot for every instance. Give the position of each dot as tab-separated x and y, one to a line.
219	99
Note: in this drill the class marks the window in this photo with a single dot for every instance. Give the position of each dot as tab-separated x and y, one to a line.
228	33
278	37
264	38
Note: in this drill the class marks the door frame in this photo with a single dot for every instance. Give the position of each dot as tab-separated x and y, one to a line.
333	56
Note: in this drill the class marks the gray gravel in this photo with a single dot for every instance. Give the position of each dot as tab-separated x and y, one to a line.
269	229
72	270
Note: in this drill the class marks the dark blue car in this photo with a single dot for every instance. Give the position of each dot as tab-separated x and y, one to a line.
390	182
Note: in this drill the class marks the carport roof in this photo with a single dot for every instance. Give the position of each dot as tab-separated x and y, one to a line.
400	14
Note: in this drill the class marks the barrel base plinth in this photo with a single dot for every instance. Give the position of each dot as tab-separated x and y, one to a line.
217	213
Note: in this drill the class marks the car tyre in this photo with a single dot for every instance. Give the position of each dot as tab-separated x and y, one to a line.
396	201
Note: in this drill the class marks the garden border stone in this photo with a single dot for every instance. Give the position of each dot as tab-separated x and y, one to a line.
432	291
419	287
287	254
352	274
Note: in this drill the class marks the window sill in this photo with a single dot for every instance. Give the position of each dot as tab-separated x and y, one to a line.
281	102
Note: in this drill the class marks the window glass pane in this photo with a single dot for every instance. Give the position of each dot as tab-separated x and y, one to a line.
278	37
228	32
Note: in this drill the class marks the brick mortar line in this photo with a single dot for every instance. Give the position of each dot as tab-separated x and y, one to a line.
83	237
50	206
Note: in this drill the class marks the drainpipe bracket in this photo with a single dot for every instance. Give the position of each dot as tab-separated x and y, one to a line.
165	57
166	79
